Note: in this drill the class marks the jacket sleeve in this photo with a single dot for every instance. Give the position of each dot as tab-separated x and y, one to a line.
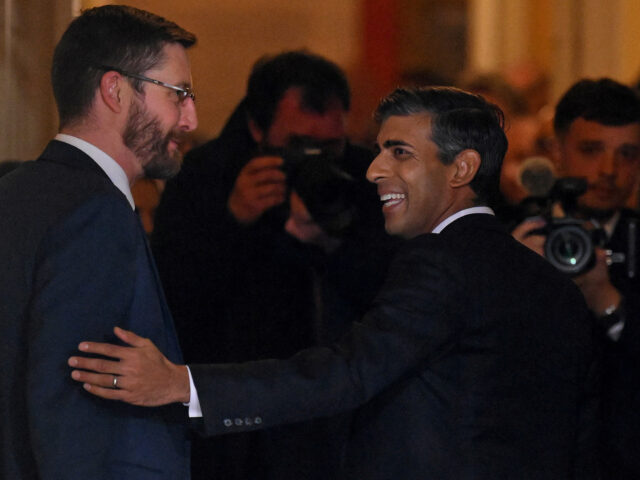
411	322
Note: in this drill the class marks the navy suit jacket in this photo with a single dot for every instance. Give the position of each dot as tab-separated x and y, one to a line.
476	361
75	262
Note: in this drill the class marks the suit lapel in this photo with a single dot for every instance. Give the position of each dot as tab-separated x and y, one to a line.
174	352
65	154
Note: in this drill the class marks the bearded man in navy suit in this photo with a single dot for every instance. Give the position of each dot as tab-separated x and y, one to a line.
74	257
476	360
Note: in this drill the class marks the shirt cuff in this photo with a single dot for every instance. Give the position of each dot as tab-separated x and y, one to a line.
194	402
615	331
613	320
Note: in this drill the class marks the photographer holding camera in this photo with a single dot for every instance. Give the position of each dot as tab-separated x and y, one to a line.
597	124
241	285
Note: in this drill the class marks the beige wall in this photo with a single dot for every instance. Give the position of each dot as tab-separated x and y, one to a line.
232	34
571	38
27	110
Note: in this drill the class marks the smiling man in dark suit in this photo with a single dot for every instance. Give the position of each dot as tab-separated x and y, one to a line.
476	359
73	254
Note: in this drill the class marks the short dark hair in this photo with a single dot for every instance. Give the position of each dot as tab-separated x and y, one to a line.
604	101
321	82
459	121
114	35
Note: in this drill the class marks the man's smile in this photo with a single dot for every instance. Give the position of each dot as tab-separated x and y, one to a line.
392	199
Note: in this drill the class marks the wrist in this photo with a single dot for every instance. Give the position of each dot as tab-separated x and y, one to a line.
182	389
605	301
612	316
232	210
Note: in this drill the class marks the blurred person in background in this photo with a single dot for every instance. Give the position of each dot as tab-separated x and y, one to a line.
268	241
597	125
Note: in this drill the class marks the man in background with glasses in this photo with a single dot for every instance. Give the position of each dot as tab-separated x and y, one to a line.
74	258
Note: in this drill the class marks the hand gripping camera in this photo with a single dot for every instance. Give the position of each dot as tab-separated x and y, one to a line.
317	175
570	242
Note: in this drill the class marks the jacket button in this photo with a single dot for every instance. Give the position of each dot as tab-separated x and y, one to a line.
257	420
238	422
227	422
248	421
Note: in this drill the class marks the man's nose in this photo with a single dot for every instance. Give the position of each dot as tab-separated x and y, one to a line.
608	164
376	169
188	115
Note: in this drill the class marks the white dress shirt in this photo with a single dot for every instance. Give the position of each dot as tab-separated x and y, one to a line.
460	214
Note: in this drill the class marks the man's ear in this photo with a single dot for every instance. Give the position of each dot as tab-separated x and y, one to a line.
256	131
110	90
466	165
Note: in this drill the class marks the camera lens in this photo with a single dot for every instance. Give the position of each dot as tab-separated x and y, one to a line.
570	249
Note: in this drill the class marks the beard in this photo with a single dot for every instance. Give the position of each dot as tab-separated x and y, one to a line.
143	136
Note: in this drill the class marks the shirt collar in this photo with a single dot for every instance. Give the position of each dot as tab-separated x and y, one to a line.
460	214
114	171
610	225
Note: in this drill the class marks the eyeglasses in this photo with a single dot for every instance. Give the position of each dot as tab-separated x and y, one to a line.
182	93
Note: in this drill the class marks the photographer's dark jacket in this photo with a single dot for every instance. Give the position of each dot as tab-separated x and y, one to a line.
476	361
246	293
621	373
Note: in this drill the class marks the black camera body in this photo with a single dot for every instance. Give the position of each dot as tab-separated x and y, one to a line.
328	191
570	245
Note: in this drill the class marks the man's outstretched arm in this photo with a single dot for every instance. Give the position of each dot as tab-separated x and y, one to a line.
145	377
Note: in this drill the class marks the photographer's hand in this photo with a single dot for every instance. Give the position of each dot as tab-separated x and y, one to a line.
261	185
596	286
522	233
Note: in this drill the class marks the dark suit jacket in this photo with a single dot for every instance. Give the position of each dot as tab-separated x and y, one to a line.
74	263
476	361
621	370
